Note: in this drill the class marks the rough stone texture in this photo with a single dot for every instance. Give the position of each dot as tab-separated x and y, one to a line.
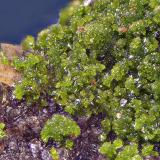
11	50
23	126
87	144
8	75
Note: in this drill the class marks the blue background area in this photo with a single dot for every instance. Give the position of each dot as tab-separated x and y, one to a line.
19	18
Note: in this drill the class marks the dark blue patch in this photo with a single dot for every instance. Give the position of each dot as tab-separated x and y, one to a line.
19	18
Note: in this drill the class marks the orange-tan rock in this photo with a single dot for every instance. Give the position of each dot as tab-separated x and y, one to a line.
11	51
8	75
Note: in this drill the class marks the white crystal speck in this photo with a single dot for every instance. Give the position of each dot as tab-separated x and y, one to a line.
123	102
